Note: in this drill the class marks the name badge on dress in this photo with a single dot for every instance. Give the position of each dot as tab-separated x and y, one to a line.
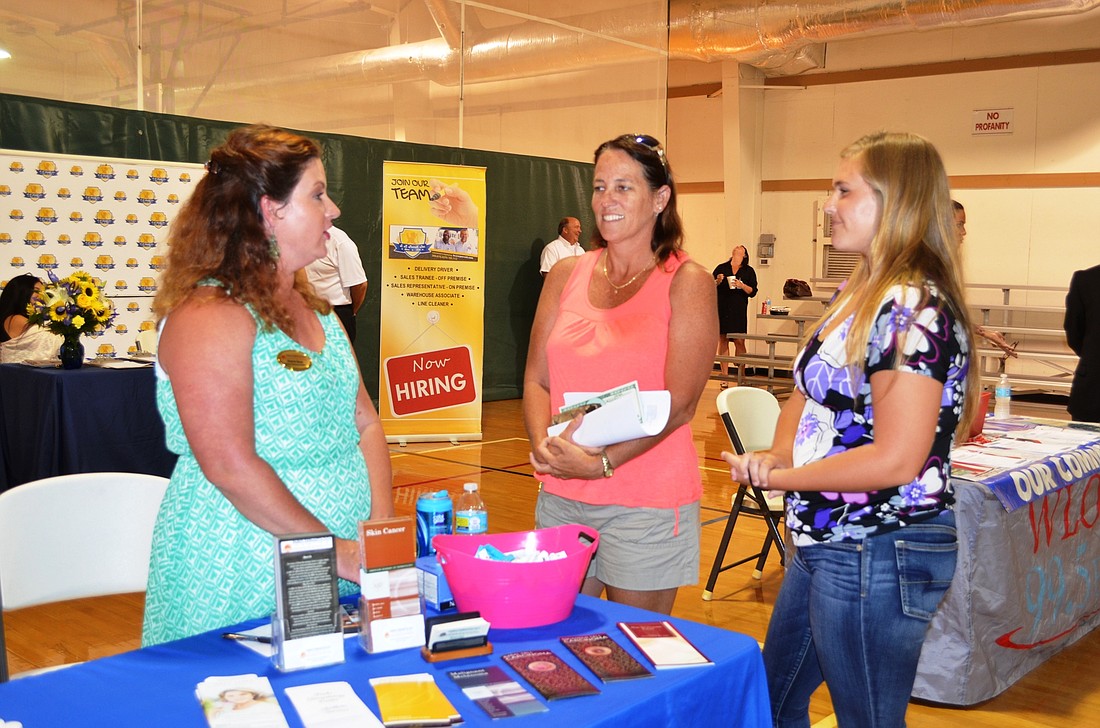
295	361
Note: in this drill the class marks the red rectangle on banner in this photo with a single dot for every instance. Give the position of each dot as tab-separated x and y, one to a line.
430	380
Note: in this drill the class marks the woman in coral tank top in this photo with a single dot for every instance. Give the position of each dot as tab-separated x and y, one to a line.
633	308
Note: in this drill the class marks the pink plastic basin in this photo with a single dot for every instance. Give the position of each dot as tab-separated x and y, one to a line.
514	595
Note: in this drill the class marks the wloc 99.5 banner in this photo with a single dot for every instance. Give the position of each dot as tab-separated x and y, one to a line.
433	299
108	217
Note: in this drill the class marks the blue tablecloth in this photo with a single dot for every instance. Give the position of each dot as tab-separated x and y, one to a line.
57	422
156	686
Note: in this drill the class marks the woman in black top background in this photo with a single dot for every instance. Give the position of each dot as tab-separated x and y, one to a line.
736	282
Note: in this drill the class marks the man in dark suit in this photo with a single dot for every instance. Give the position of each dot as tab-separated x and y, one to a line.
1082	325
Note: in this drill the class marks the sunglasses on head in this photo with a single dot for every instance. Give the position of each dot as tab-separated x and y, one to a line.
652	145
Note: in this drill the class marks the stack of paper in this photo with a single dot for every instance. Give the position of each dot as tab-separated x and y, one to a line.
407	700
617	415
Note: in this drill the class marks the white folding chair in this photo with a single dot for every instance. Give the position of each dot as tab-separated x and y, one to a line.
750	415
75	536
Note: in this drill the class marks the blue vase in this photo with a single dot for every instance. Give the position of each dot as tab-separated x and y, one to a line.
71	352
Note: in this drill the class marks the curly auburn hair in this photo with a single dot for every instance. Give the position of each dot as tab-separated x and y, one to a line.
219	233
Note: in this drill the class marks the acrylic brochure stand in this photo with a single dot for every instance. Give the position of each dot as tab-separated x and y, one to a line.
306	629
303	652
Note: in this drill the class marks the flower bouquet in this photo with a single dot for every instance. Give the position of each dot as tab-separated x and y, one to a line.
70	307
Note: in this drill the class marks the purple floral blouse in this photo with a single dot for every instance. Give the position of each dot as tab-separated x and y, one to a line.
839	415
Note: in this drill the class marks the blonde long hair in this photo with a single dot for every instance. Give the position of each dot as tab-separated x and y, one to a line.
916	242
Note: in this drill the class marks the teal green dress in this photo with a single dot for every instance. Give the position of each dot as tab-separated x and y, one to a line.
210	566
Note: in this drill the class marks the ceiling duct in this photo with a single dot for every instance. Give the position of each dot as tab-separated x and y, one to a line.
779	37
769	34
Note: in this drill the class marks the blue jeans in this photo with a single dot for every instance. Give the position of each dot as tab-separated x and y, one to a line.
854	614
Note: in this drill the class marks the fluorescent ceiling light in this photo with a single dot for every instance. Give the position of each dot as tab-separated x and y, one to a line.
4	54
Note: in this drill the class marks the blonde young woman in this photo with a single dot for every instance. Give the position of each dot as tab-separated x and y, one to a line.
862	445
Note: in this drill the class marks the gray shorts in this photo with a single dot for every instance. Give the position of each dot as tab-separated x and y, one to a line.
638	549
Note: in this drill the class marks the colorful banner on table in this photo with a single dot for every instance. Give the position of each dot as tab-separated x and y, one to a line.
109	217
1022	460
433	299
1016	487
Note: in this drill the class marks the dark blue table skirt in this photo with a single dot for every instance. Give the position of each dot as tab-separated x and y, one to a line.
57	422
156	686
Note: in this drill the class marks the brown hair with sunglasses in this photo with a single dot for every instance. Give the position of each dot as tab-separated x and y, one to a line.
668	228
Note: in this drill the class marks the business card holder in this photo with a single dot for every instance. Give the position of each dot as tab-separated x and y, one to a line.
455	636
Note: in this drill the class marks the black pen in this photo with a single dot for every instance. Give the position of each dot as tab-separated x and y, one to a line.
240	637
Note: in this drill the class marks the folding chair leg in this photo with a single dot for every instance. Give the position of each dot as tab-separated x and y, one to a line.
720	556
771	519
758	572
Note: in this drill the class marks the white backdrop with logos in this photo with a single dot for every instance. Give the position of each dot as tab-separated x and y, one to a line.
61	213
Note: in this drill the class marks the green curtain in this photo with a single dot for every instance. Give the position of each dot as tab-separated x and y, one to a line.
526	198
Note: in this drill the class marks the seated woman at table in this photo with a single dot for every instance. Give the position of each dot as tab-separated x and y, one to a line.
19	339
862	446
259	391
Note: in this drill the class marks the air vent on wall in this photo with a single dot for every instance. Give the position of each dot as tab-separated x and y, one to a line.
836	264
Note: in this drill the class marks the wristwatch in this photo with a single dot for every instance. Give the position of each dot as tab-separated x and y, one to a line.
608	471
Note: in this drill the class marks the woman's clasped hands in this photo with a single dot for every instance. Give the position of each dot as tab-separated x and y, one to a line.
756	468
559	456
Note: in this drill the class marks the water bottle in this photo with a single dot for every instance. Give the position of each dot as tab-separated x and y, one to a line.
1002	403
471	517
433	517
768	304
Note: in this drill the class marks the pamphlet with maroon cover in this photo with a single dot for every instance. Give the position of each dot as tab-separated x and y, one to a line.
663	645
549	675
605	657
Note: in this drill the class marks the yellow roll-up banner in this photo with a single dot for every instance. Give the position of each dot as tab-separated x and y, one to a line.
433	300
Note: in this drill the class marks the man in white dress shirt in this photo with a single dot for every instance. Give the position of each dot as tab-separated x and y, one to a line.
339	278
566	244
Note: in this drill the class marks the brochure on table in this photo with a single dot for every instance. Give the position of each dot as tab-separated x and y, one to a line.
306	629
1020	459
244	701
663	645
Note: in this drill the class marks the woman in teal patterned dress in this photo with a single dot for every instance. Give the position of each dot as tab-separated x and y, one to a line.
259	391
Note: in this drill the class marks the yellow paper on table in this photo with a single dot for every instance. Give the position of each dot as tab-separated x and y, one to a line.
413	700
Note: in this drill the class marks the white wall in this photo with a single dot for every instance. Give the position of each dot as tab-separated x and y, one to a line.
1019	236
1031	236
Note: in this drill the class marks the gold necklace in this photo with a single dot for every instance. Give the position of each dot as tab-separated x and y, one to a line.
649	265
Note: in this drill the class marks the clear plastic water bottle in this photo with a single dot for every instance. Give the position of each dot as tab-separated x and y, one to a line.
768	304
471	518
1002	402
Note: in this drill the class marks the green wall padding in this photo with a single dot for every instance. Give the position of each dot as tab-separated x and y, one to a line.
526	196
